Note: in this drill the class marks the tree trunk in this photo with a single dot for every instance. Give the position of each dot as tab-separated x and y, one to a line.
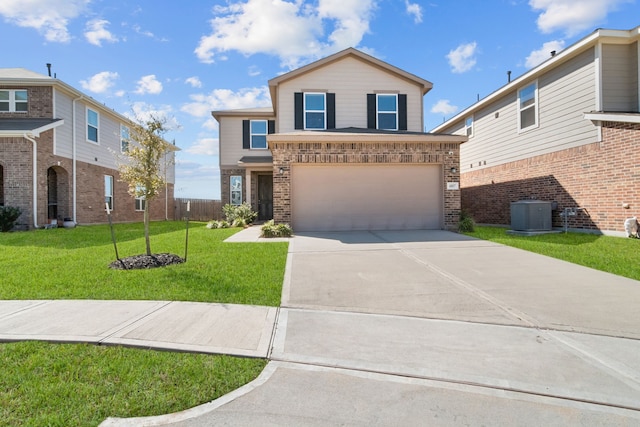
146	226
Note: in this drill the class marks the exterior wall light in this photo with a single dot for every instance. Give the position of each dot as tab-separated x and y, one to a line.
281	171
454	170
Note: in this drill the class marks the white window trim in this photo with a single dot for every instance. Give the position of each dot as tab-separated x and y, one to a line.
397	113
141	200
97	127
108	197
467	127
231	190
305	111
122	141
251	133
536	102
12	101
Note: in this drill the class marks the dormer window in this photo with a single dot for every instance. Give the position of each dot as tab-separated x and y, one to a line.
14	101
314	111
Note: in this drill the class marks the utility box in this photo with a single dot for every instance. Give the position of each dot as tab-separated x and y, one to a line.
531	215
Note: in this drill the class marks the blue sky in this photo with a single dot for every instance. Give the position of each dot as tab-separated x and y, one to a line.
181	60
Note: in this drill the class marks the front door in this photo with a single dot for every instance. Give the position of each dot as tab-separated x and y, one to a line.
265	197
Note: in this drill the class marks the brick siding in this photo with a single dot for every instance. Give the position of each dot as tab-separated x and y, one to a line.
597	177
16	159
287	153
39	101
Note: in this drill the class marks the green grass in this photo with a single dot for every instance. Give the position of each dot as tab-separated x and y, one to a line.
60	385
81	385
73	264
615	255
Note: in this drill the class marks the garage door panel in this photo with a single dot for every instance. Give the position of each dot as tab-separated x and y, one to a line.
365	197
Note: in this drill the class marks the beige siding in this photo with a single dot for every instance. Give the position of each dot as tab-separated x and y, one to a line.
619	75
62	110
351	80
231	141
564	94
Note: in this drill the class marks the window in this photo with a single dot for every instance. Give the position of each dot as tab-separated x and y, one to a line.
259	134
387	112
140	200
14	101
108	191
314	111
468	125
528	106
235	184
124	139
92	125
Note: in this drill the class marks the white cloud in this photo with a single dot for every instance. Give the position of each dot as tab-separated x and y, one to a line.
462	58
444	107
539	56
226	99
572	16
49	17
96	32
101	82
248	27
414	9
149	84
142	112
204	147
194	81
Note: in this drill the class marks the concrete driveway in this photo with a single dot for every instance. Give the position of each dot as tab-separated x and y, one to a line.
435	328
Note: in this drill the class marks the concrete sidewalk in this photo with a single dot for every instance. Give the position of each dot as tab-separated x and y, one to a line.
239	330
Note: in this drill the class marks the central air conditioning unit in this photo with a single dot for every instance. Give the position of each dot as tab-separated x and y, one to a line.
531	215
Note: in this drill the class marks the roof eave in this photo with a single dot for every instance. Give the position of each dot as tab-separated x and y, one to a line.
579	47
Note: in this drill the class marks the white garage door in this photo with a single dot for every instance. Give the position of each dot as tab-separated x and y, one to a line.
366	197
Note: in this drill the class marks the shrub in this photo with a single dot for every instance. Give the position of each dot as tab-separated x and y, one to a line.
217	224
270	229
466	224
8	217
239	212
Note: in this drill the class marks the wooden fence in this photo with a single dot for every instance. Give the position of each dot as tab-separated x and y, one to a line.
200	209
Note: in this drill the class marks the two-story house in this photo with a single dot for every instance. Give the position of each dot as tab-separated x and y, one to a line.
566	131
59	155
342	148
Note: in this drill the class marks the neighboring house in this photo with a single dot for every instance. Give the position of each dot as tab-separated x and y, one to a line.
342	148
58	151
567	131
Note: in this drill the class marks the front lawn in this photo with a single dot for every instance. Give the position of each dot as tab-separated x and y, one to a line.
611	254
81	385
73	264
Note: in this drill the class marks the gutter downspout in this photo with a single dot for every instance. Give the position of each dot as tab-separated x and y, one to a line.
35	179
73	155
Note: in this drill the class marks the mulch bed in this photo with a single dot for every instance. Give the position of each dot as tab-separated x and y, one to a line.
138	262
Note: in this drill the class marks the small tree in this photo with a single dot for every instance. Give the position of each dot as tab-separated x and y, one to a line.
142	170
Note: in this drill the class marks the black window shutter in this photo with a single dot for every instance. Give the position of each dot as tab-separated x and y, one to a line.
271	126
246	134
298	107
371	111
402	112
331	110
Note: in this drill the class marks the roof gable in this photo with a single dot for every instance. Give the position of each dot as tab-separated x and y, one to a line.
366	59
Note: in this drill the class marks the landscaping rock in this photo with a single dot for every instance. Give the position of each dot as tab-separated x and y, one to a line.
137	262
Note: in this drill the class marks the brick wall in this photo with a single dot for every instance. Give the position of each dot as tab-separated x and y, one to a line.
16	159
597	177
287	153
40	102
225	174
